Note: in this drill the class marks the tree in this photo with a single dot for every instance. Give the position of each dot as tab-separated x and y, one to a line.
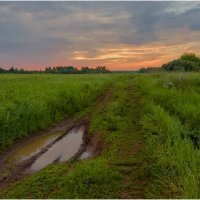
2	70
187	62
12	70
192	57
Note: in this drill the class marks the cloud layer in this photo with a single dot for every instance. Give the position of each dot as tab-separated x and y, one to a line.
120	35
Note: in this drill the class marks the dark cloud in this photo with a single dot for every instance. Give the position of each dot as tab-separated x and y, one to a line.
59	29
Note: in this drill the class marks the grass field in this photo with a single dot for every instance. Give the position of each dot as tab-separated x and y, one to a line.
149	125
171	127
29	103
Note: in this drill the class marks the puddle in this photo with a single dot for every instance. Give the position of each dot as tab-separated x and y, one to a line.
86	155
93	149
32	148
62	150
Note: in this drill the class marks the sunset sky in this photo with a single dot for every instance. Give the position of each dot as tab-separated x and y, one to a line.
119	35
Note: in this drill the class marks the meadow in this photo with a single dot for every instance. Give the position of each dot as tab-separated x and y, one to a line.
149	126
29	103
171	128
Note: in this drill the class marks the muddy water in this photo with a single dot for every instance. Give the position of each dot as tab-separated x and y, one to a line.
62	150
32	148
93	149
87	154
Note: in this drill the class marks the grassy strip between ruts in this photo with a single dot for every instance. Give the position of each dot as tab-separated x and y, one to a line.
120	171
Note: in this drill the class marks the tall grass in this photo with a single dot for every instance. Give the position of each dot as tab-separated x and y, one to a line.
95	178
29	103
171	127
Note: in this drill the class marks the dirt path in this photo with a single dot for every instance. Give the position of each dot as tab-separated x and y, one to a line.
10	173
123	152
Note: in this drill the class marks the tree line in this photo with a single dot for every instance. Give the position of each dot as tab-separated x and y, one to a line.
59	70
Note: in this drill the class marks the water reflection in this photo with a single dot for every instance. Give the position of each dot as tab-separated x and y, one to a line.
32	148
62	150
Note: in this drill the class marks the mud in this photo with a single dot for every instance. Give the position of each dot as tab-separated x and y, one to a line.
62	126
9	173
93	149
30	149
14	164
62	150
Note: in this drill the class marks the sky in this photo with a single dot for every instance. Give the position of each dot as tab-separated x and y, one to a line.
119	35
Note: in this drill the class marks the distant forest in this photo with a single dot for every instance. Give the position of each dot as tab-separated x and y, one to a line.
58	70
